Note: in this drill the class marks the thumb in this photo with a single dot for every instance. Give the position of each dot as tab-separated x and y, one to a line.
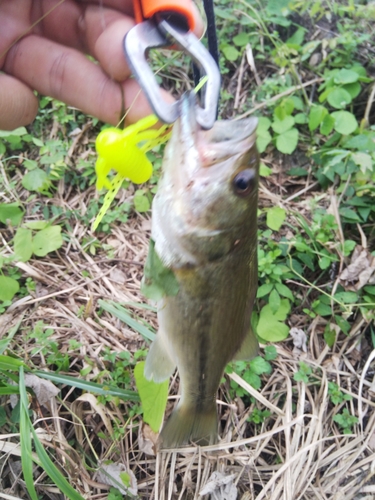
18	104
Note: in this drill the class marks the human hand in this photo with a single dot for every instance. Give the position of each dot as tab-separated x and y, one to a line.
42	47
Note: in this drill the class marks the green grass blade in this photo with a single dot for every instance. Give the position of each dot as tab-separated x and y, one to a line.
102	389
25	437
121	313
9	389
53	472
10	364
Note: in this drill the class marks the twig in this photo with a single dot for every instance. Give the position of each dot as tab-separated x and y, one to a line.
370	100
278	96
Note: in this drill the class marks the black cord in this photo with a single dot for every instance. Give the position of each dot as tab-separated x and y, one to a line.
211	38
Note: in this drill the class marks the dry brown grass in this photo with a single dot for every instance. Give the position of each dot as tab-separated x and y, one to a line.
297	453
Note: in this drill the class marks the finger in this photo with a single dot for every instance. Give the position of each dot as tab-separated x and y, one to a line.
107	45
69	76
18	104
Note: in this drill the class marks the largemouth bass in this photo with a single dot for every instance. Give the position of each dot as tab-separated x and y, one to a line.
204	225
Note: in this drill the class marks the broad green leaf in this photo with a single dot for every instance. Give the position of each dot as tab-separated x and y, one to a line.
347	297
363	142
153	397
37	225
281	126
270	353
329	336
23	244
264	123
259	366
230	53
141	202
345	76
264	290
363	160
300	118
10	212
8	288
349	245
287	142
324	262
241	39
350	214
263	139
322	309
275	218
354	89
297	37
264	171
316	116
274	301
6	340
327	125
18	132
158	281
30	164
339	98
270	326
35	180
47	240
345	122
284	291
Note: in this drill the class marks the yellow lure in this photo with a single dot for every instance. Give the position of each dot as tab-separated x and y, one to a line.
125	152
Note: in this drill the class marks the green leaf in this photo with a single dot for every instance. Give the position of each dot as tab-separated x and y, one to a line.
241	39
8	288
297	37
264	123
141	202
7	363
363	160
259	366
345	76
316	116
327	125
346	297
284	291
281	126
354	89
339	98
300	118
10	212
36	225
270	326
270	353
287	142
230	53
18	132
263	139
349	245
297	172
264	171
350	214
35	180
158	281
322	309
47	240
153	397
264	290
329	336
274	301
345	122
275	218
324	262
23	244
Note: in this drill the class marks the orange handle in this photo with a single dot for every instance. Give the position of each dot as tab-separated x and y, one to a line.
146	9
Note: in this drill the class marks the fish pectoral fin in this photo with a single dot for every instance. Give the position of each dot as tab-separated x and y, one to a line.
159	365
187	424
249	348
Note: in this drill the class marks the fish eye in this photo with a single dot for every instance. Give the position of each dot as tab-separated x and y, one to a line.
244	182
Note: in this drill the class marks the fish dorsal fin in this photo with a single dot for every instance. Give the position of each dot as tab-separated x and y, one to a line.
159	365
249	348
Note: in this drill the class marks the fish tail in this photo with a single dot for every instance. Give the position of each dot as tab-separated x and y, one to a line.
188	424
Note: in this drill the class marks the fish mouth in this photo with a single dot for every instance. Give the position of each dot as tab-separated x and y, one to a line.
223	141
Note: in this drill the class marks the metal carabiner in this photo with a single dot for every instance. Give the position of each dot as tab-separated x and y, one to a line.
164	31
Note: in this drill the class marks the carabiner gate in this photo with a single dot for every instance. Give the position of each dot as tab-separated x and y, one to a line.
164	31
